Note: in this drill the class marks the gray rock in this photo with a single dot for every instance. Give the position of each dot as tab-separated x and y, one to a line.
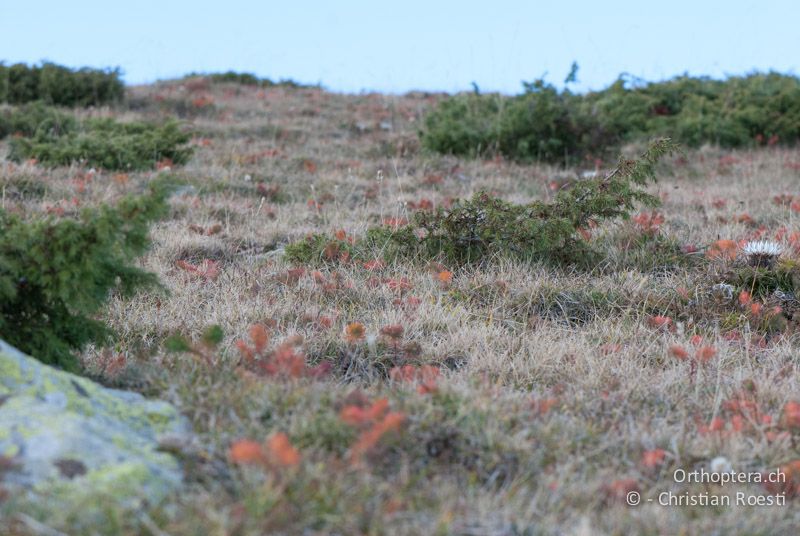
75	446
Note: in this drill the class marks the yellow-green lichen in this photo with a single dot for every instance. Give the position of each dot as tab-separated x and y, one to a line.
48	416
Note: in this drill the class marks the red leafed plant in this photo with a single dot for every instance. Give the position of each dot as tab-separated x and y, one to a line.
649	223
662	323
207	231
393	333
653	458
207	270
375	265
425	376
284	360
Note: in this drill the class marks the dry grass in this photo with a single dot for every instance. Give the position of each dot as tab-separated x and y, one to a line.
553	384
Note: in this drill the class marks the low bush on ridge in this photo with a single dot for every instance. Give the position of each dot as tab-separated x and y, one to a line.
546	124
58	85
107	144
249	79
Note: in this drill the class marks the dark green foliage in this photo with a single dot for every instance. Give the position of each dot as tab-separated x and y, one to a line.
250	79
61	86
245	79
464	125
559	126
484	226
107	144
761	282
177	343
30	119
212	336
56	274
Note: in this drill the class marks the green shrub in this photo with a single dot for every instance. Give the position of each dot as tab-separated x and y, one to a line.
30	119
232	77
464	124
58	85
107	144
559	126
249	79
482	227
56	274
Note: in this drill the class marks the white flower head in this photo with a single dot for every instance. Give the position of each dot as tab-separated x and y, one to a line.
762	253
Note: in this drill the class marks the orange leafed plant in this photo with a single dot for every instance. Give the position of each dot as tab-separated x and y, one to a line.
678	351
283	361
543	406
375	265
789	484
400	285
610	348
370	437
393	332
246	451
208	270
395	222
259	336
208	231
280	450
426	376
705	353
618	489
357	415
355	332
661	322
791	415
291	277
375	419
277	451
723	249
717	424
653	458
649	223
445	277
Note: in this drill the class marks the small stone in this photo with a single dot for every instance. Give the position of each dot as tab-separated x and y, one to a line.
70	468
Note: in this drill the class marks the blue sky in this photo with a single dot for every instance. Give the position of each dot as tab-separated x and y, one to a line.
410	44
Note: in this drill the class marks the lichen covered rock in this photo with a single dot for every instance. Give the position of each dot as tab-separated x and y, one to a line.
71	445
